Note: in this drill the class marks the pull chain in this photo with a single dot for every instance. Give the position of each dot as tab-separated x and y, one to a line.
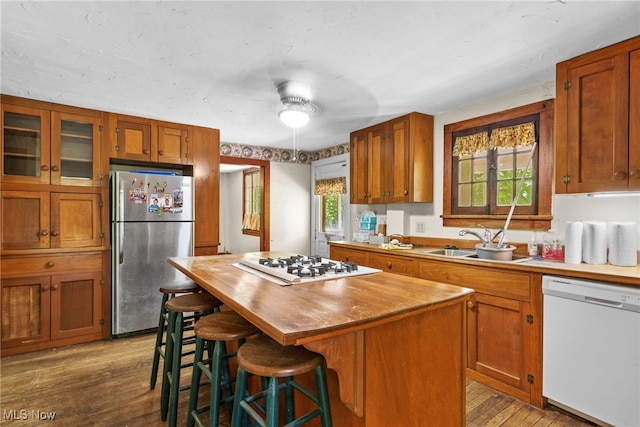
295	145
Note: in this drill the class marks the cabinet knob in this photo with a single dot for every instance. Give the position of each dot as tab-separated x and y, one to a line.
406	192
145	151
635	173
161	152
51	264
55	168
45	288
44	167
346	258
44	232
620	175
470	304
54	287
388	264
55	233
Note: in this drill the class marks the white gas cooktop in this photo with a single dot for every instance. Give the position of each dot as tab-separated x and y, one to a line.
302	269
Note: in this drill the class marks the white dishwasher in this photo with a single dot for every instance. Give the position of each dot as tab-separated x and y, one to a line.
591	349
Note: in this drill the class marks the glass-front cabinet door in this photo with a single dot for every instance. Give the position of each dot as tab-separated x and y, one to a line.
75	151
50	147
25	145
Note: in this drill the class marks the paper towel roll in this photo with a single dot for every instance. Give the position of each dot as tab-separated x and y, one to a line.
623	243
594	242
573	243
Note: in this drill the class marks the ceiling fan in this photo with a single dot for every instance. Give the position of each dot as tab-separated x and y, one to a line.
297	108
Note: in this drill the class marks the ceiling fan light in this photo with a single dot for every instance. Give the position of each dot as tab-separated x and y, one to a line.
293	117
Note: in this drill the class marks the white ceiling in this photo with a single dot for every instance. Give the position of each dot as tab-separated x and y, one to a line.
217	64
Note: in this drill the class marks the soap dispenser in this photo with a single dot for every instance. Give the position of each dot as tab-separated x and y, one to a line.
532	247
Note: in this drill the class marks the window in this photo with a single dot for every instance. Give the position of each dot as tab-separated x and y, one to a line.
485	161
332	204
331	217
252	201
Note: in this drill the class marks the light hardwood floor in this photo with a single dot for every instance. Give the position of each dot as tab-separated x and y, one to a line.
106	383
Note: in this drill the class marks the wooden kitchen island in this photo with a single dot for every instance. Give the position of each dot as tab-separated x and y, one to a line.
395	345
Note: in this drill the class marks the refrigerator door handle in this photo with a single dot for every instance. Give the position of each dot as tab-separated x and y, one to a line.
120	242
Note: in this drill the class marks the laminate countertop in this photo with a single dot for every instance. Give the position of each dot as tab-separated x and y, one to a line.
601	272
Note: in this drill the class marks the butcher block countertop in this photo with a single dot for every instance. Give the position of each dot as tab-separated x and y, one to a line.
395	346
604	272
299	313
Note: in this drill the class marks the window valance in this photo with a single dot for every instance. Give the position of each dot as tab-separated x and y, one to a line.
328	186
522	135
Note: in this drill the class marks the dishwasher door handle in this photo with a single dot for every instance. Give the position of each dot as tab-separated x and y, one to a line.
604	302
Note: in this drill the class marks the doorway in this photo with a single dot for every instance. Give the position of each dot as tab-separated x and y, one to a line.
330	213
231	210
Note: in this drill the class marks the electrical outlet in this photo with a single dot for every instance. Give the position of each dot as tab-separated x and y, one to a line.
420	227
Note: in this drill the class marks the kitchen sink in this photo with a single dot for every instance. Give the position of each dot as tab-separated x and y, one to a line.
450	252
514	258
470	254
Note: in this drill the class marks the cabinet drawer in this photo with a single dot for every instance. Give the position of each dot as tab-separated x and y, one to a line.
47	264
339	254
392	264
483	280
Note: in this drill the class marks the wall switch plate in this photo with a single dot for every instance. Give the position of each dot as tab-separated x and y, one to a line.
420	227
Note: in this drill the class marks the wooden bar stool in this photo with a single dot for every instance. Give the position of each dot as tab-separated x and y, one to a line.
168	291
265	357
216	329
198	305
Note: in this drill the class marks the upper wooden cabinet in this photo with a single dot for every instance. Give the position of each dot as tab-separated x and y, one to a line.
598	120
206	175
43	220
392	162
151	141
45	146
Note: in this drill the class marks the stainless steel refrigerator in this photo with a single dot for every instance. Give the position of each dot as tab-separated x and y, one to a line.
151	220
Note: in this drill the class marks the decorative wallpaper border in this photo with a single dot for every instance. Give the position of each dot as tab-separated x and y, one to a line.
279	154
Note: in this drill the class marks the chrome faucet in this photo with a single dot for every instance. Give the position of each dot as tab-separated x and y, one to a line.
486	238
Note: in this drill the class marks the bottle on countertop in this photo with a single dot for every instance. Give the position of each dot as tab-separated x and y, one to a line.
552	246
532	246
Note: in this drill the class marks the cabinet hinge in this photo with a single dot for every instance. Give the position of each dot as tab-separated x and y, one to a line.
117	130
101	322
100	128
101	282
567	85
530	319
566	179
530	378
101	235
101	204
117	148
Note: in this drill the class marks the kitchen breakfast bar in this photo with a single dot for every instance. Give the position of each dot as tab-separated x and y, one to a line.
395	346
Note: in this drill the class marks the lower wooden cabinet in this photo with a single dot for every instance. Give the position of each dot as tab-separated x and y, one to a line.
504	326
48	301
504	330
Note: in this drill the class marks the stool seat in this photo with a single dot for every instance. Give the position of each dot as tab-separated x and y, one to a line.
278	365
193	302
264	357
216	330
224	326
181	310
178	288
168	291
